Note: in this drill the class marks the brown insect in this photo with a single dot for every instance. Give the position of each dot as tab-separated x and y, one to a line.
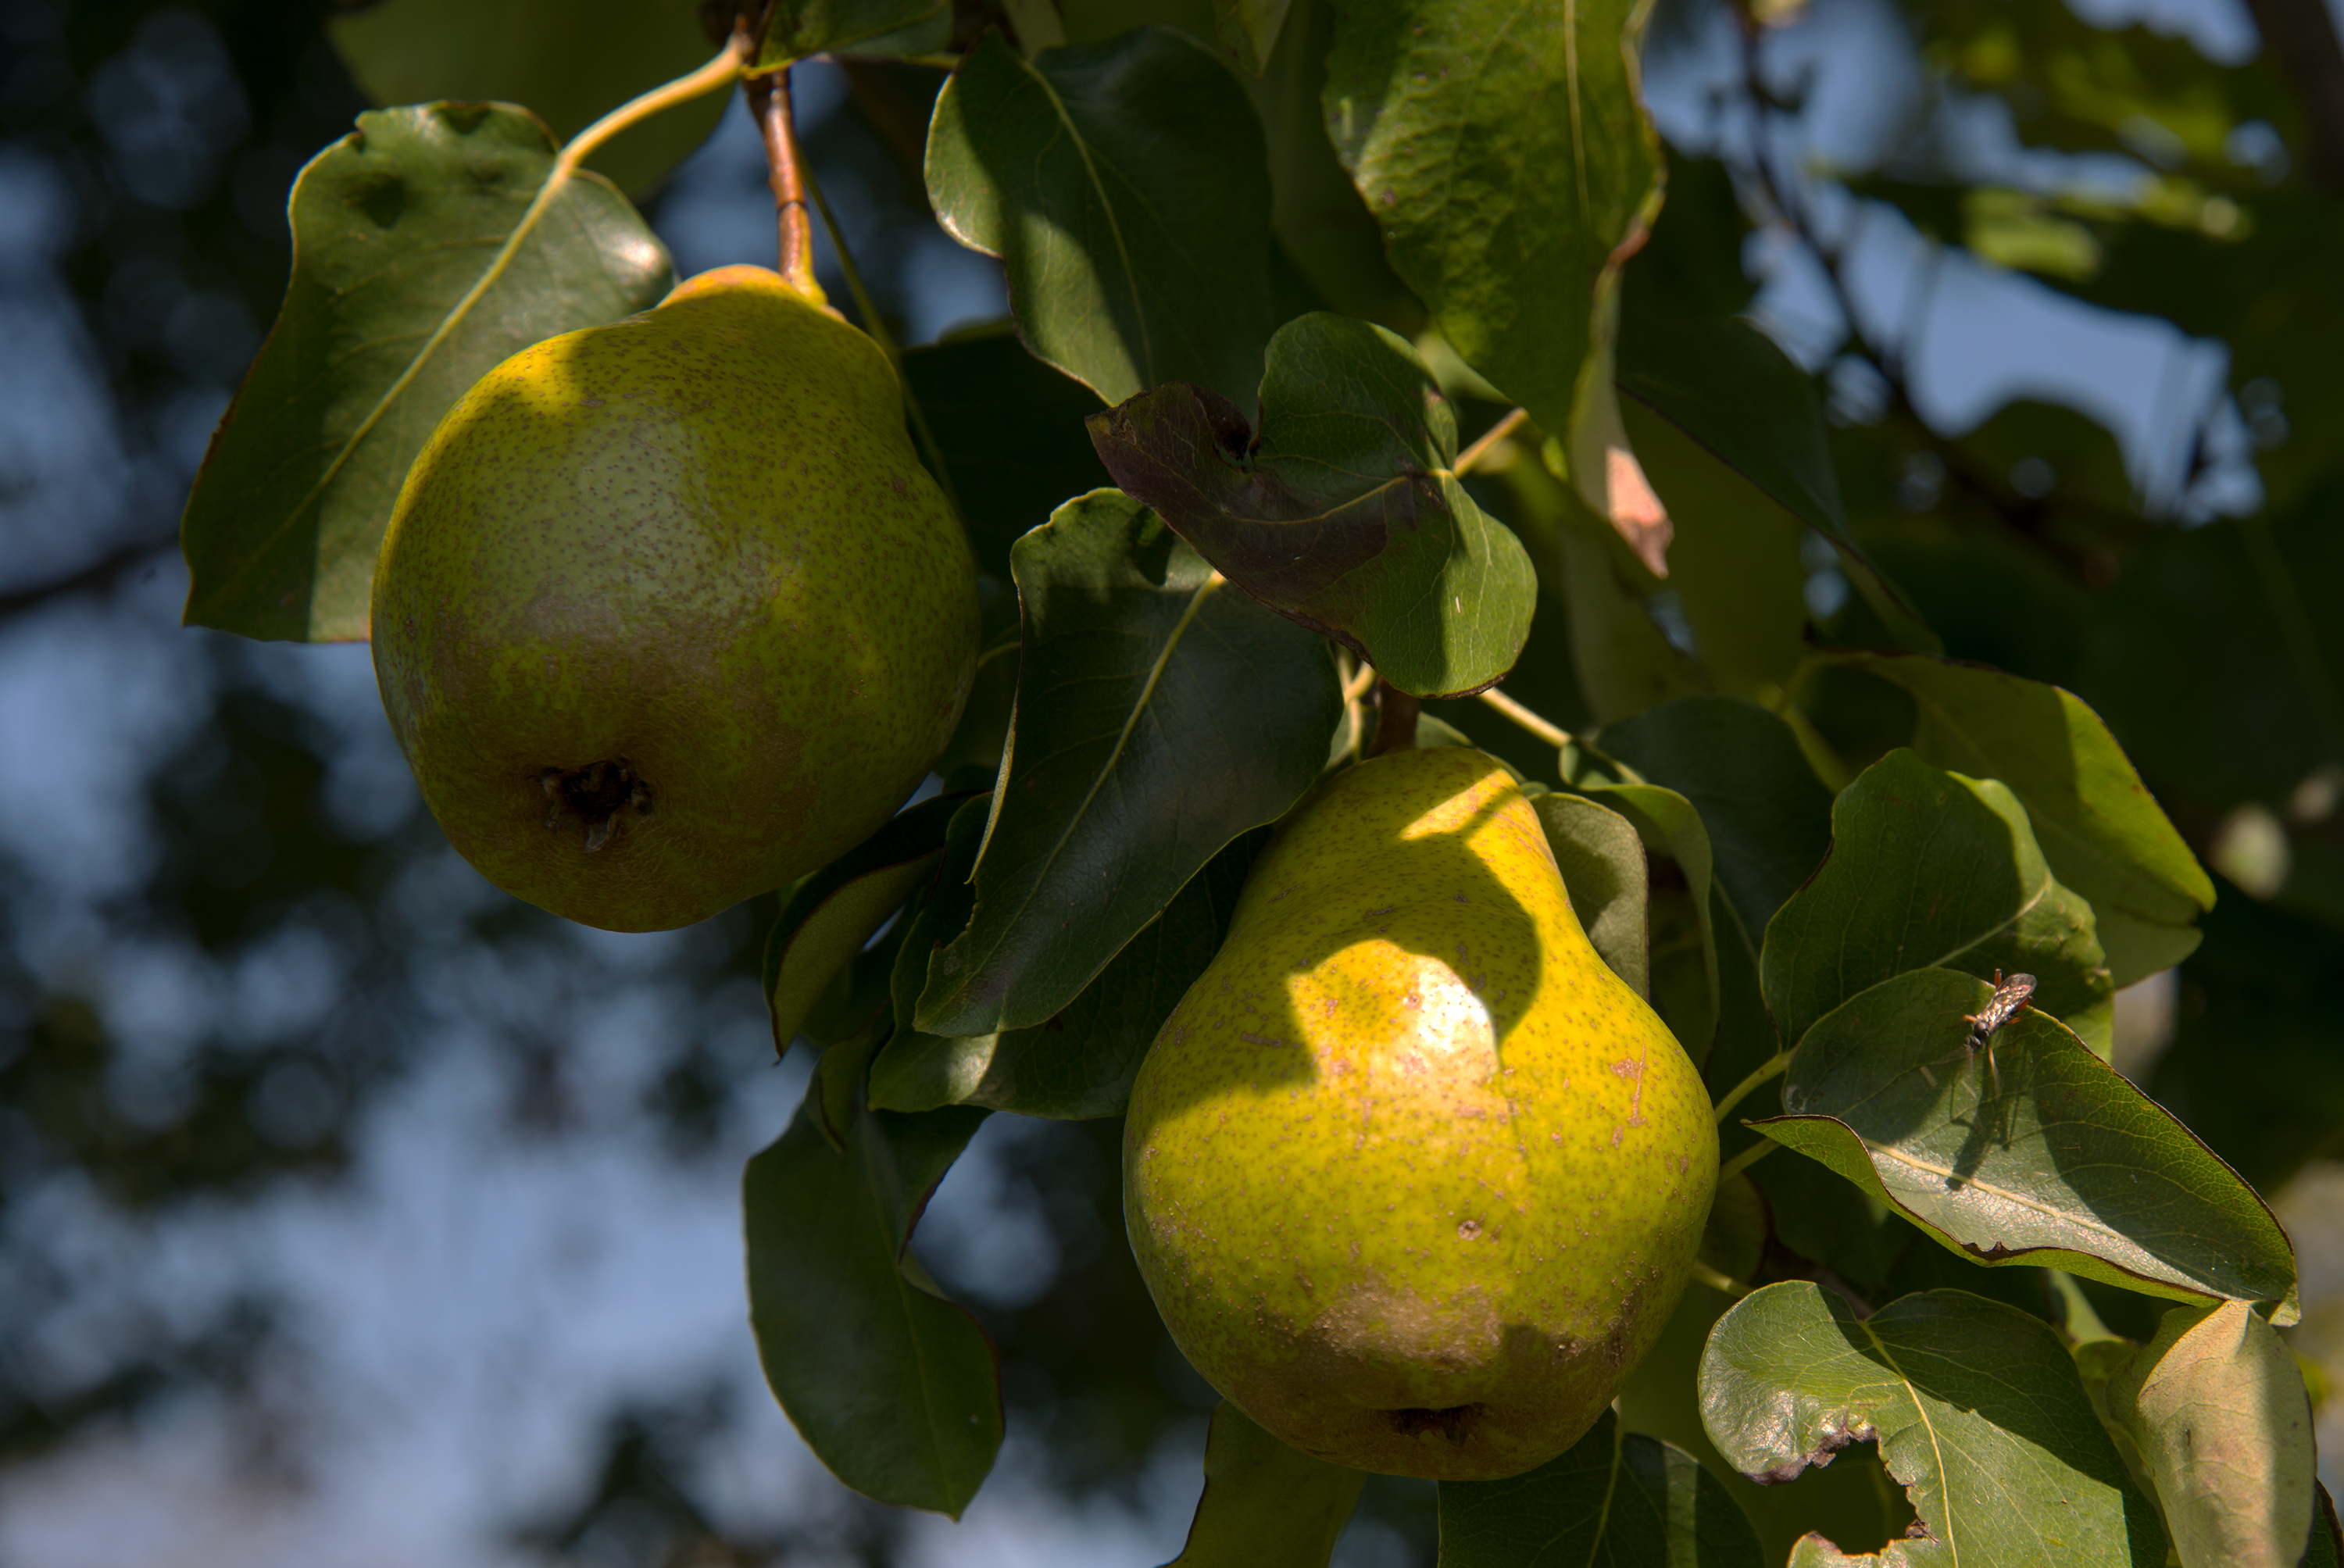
2009	997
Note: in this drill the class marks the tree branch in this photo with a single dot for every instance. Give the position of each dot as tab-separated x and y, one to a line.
769	100
2300	37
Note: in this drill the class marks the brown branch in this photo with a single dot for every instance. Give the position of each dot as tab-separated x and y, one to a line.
98	573
769	100
1395	720
2300	37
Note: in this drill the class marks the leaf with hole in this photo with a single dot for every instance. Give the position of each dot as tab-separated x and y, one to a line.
393	228
1342	513
1159	715
1977	1410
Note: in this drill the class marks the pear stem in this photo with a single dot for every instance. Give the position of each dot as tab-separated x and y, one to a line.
1472	455
769	100
1772	1068
1395	720
1703	1274
1545	729
719	71
1745	1159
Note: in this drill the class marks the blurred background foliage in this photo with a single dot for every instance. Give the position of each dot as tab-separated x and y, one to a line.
352	1213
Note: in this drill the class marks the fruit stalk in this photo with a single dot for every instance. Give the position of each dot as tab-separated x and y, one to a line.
769	100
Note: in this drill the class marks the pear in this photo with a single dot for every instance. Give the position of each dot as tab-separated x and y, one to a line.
1414	1179
668	613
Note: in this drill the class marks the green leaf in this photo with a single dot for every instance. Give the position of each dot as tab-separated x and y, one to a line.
1976	1409
570	61
1730	434
393	226
1505	150
1342	514
1078	1063
1264	1505
2068	1166
858	27
831	914
1929	869
2327	1548
894	1387
1122	185
1012	432
1159	717
1767	816
2100	827
2217	1409
1682	977
1616	1499
1250	29
1602	859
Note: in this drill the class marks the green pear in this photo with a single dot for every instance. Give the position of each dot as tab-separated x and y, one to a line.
668	613
1415	1179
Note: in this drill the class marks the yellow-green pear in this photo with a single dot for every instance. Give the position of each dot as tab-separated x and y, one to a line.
1414	1179
668	613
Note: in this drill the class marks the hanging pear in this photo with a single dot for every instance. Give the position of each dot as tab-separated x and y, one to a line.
668	613
1414	1177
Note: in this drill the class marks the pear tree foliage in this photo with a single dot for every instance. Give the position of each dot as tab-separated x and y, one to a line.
1370	363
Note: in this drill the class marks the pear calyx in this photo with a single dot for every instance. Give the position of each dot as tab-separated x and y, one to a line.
594	794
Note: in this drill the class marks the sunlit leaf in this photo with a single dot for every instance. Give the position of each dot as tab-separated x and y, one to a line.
393	227
894	1387
1615	1500
1122	185
2217	1407
1976	1409
2100	827
1343	512
1929	869
2067	1166
1159	715
1505	151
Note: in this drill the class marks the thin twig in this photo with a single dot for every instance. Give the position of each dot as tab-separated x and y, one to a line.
769	100
1772	1068
1545	729
1703	1274
1472	455
1745	1159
